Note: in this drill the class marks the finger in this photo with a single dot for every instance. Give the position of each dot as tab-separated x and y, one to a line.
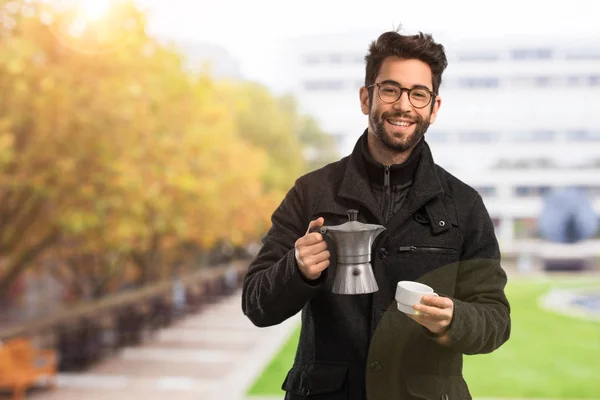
312	249
317	258
322	265
318	267
437	301
318	247
314	223
310	239
432	312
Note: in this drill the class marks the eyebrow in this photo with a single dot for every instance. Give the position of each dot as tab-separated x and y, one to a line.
392	82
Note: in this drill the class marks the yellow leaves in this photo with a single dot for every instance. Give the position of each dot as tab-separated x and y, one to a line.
76	221
135	89
7	141
65	165
47	84
16	66
186	183
126	145
266	122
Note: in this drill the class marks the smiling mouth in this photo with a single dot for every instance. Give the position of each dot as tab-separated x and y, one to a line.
403	124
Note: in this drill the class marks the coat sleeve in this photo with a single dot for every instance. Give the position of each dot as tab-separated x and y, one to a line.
274	289
481	321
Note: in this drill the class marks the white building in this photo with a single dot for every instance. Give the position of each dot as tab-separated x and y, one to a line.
211	58
519	116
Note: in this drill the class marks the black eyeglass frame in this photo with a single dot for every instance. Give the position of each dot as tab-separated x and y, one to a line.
402	90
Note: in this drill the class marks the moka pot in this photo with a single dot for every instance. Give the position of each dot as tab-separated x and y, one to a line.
353	241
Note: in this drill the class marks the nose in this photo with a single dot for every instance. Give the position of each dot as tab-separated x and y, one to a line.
403	104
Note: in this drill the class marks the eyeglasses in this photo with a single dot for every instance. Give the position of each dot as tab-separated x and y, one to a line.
389	93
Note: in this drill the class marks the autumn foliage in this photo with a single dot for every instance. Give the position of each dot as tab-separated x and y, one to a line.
112	150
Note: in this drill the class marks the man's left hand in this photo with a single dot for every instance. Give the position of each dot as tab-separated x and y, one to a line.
434	313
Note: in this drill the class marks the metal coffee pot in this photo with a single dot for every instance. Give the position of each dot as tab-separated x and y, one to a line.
353	241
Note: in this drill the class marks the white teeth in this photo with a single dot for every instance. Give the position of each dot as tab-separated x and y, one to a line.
399	123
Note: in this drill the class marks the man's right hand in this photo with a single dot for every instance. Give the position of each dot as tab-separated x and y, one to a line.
311	252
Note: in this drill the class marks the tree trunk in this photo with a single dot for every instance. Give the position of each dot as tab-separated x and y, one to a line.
24	260
147	260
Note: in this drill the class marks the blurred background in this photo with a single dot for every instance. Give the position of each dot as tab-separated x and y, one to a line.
144	145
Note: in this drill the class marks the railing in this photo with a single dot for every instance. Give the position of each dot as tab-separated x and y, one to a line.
87	332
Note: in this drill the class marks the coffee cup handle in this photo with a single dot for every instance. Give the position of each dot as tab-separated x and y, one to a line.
434	294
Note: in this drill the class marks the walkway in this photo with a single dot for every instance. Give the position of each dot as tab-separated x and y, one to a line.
214	355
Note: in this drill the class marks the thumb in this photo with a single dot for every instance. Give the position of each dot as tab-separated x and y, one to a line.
315	223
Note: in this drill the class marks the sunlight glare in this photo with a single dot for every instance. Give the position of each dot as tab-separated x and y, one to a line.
95	9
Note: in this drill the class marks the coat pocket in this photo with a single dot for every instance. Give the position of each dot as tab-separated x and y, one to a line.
428	249
412	261
319	380
433	386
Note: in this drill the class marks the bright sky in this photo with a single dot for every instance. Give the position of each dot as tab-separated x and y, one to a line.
250	30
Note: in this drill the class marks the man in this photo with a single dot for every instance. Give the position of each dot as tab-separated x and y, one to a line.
438	232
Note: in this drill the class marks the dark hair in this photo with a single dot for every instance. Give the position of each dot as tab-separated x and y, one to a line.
421	47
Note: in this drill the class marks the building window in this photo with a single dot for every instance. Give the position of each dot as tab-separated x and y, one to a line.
531	191
583	54
336	58
436	136
331	58
486	191
478	56
536	81
313	59
534	136
575	80
583	136
594	80
324	85
583	80
478	136
532	54
479	82
543	81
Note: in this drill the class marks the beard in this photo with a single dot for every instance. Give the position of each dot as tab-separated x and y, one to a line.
398	142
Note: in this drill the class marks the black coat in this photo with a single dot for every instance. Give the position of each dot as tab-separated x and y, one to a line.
360	346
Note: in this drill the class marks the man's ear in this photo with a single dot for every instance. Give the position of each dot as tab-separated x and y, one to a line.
364	100
435	108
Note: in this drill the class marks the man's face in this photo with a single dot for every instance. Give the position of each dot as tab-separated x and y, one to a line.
399	126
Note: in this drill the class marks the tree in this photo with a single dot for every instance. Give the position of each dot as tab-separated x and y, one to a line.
264	122
111	151
318	148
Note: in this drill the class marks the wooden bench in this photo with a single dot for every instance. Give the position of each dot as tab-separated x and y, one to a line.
23	367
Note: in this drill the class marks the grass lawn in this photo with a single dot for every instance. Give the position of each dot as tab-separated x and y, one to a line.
548	355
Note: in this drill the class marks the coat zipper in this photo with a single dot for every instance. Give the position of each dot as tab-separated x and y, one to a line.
425	249
387	193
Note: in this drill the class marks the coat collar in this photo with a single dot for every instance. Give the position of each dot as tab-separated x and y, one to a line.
355	184
399	174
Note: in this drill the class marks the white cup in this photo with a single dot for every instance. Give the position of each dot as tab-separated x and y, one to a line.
409	293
